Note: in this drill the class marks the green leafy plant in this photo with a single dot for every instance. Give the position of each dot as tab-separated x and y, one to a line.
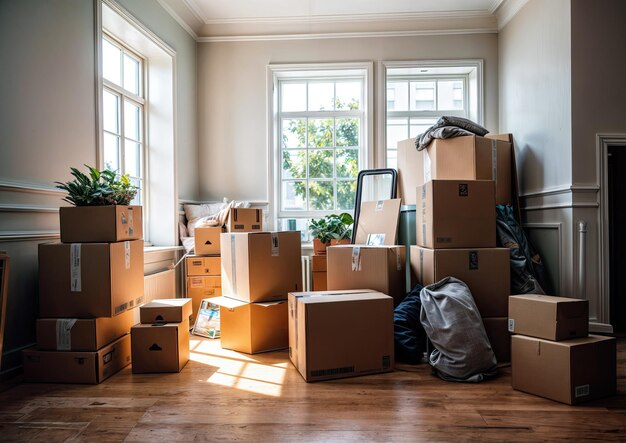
332	227
99	188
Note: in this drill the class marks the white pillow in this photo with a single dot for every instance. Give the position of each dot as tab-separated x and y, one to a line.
194	212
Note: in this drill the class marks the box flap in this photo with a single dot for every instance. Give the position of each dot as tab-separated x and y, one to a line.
227	302
267	304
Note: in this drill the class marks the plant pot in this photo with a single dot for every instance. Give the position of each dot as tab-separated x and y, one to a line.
319	248
343	241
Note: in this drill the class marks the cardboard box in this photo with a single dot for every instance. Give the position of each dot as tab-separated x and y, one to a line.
378	222
318	263
552	318
458	158
199	288
245	220
203	265
160	347
90	280
499	337
166	310
379	268
570	371
320	281
456	214
76	367
337	334
72	334
252	327
261	266
207	240
486	271
100	224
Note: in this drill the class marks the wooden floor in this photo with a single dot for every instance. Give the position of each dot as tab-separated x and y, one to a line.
226	396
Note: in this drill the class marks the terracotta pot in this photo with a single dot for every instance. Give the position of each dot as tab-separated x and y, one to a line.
319	248
344	241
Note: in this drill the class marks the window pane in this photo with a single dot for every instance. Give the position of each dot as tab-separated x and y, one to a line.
296	224
346	191
293	196
449	95
321	195
111	152
392	158
348	95
132	158
397	129
138	197
320	132
347	132
422	96
294	164
111	64
132	121
321	163
347	163
110	112
321	96
294	133
293	97
131	74
400	96
420	125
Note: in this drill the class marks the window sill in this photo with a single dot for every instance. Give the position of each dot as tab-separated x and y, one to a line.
149	249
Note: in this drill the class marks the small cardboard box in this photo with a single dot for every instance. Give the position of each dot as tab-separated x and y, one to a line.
100	224
552	318
199	288
378	222
456	214
320	281
486	271
160	347
90	280
318	263
78	366
499	337
337	334
166	310
203	265
261	266
245	220
570	371
71	334
252	327
379	268
458	158
207	241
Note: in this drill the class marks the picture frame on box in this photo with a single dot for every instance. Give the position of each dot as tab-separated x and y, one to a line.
208	320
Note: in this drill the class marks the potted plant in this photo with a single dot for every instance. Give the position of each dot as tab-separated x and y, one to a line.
99	188
332	229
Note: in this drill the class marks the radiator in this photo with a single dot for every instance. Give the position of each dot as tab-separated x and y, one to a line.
307	273
160	285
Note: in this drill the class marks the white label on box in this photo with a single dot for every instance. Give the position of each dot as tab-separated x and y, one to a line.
379	205
75	277
64	333
275	244
127	254
375	239
398	260
581	391
356	258
427	166
511	325
131	229
494	160
123	218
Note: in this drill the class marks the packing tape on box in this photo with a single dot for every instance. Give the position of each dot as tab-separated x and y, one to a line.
275	244
75	271
64	333
356	258
421	276
127	254
494	160
427	166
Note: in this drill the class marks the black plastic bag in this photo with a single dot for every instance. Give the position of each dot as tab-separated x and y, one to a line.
409	334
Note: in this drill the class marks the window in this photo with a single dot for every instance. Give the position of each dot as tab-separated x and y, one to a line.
123	111
320	143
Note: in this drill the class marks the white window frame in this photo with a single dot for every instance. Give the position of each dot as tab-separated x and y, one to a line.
276	73
473	95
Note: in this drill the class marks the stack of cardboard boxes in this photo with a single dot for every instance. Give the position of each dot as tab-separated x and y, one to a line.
553	355
88	287
459	181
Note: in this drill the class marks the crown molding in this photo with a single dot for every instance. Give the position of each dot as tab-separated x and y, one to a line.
505	10
196	10
178	19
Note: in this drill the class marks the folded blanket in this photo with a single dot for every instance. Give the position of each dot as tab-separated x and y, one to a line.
448	127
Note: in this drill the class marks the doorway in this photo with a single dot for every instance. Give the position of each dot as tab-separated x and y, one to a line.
616	181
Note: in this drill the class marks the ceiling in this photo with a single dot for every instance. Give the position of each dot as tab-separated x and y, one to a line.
232	20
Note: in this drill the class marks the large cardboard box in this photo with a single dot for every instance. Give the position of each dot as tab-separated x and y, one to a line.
207	240
459	158
78	366
379	268
336	334
456	214
73	334
486	271
252	327
245	220
499	337
201	287
203	265
552	318
162	347
100	224
261	266
320	281
166	310
90	280
378	222
570	371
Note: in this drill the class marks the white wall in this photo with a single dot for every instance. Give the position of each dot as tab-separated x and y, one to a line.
232	104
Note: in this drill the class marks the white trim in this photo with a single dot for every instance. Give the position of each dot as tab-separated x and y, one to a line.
31	188
495	4
320	36
506	10
602	328
559	190
569	205
6	236
98	83
196	10
183	24
28	208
